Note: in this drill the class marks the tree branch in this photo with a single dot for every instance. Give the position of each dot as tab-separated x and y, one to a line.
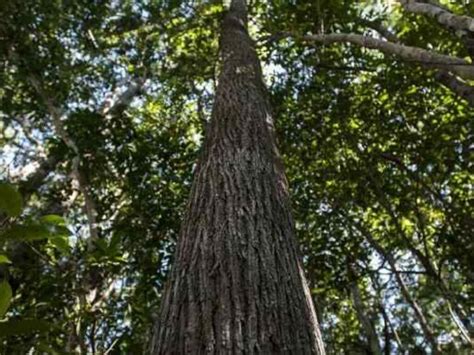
47	165
118	101
112	107
387	255
412	54
36	179
444	17
459	87
382	30
58	118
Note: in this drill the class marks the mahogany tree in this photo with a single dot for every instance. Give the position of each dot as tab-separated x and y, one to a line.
237	285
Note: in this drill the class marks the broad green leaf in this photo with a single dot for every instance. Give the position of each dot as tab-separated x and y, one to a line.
10	200
4	259
35	231
23	326
53	219
61	243
102	245
26	232
59	231
5	297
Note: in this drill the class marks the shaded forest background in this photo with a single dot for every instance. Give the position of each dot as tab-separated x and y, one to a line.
103	107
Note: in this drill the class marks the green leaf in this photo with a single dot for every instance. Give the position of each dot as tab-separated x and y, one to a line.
61	243
102	245
35	231
10	200
59	231
46	349
4	259
26	232
53	219
23	326
5	297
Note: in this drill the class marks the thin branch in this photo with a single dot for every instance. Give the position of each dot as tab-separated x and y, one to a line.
111	347
365	321
430	267
378	290
58	116
382	30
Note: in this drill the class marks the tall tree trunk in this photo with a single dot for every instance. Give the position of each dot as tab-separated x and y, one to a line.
237	285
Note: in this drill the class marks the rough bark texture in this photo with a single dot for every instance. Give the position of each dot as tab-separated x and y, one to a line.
237	285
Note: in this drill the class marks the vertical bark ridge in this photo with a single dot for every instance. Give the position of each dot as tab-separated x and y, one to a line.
237	284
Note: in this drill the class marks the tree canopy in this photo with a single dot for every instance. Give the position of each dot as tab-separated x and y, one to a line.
103	108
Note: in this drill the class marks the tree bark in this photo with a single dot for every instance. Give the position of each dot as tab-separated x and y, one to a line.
35	180
237	285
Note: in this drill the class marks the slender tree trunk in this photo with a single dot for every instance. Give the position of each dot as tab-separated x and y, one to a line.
237	285
387	350
393	331
363	315
388	256
458	315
